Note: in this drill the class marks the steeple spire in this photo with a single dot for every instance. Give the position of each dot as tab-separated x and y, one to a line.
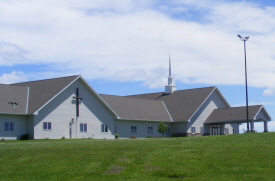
170	88
170	72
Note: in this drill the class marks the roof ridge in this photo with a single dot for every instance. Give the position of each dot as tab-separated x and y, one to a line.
133	98
14	84
172	93
241	106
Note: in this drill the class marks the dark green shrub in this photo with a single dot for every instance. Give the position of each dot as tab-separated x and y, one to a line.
63	137
116	136
25	137
149	137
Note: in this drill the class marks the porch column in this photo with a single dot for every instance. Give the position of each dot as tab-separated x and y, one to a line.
252	125
222	126
265	126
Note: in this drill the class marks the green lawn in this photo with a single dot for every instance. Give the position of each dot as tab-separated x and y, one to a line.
228	157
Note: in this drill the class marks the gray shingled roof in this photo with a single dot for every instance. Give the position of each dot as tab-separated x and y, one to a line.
181	104
233	114
137	109
40	92
13	94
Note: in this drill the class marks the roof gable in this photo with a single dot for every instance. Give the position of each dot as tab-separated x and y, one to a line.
233	114
41	92
181	104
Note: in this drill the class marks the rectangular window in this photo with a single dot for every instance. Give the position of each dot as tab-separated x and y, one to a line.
201	130
83	127
133	129
226	131
150	130
193	130
168	131
8	126
104	128
47	125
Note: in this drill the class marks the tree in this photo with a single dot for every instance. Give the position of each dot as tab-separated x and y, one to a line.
162	128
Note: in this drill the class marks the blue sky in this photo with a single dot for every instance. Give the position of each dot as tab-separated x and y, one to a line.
122	47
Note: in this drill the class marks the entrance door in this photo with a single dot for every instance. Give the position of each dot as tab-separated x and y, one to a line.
215	129
73	130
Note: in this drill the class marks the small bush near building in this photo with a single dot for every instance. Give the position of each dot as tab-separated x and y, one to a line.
149	137
133	137
25	137
63	137
159	137
116	136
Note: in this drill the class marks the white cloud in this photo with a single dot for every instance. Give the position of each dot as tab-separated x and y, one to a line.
11	54
268	92
13	77
130	40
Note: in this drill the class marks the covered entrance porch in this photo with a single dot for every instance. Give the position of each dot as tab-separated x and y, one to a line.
235	116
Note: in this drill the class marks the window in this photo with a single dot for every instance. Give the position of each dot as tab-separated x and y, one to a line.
201	130
47	125
234	131
167	131
133	129
150	130
104	128
193	130
226	131
83	127
8	126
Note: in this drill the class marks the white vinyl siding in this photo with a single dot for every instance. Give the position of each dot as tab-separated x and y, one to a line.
124	128
168	131
19	127
213	101
261	115
230	128
226	131
61	112
30	126
180	127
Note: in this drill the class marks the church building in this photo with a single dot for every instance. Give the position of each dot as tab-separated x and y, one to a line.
69	107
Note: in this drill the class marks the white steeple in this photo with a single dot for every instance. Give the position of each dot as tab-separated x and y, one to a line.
170	88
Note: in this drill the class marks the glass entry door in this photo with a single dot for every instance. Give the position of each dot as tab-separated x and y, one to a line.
215	129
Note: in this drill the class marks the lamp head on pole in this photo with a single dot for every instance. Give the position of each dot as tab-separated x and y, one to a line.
243	39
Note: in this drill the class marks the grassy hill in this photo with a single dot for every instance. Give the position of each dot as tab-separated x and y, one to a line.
228	157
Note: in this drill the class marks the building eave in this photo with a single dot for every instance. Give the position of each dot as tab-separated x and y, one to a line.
144	120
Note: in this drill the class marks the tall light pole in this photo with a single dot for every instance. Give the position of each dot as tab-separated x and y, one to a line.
244	39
